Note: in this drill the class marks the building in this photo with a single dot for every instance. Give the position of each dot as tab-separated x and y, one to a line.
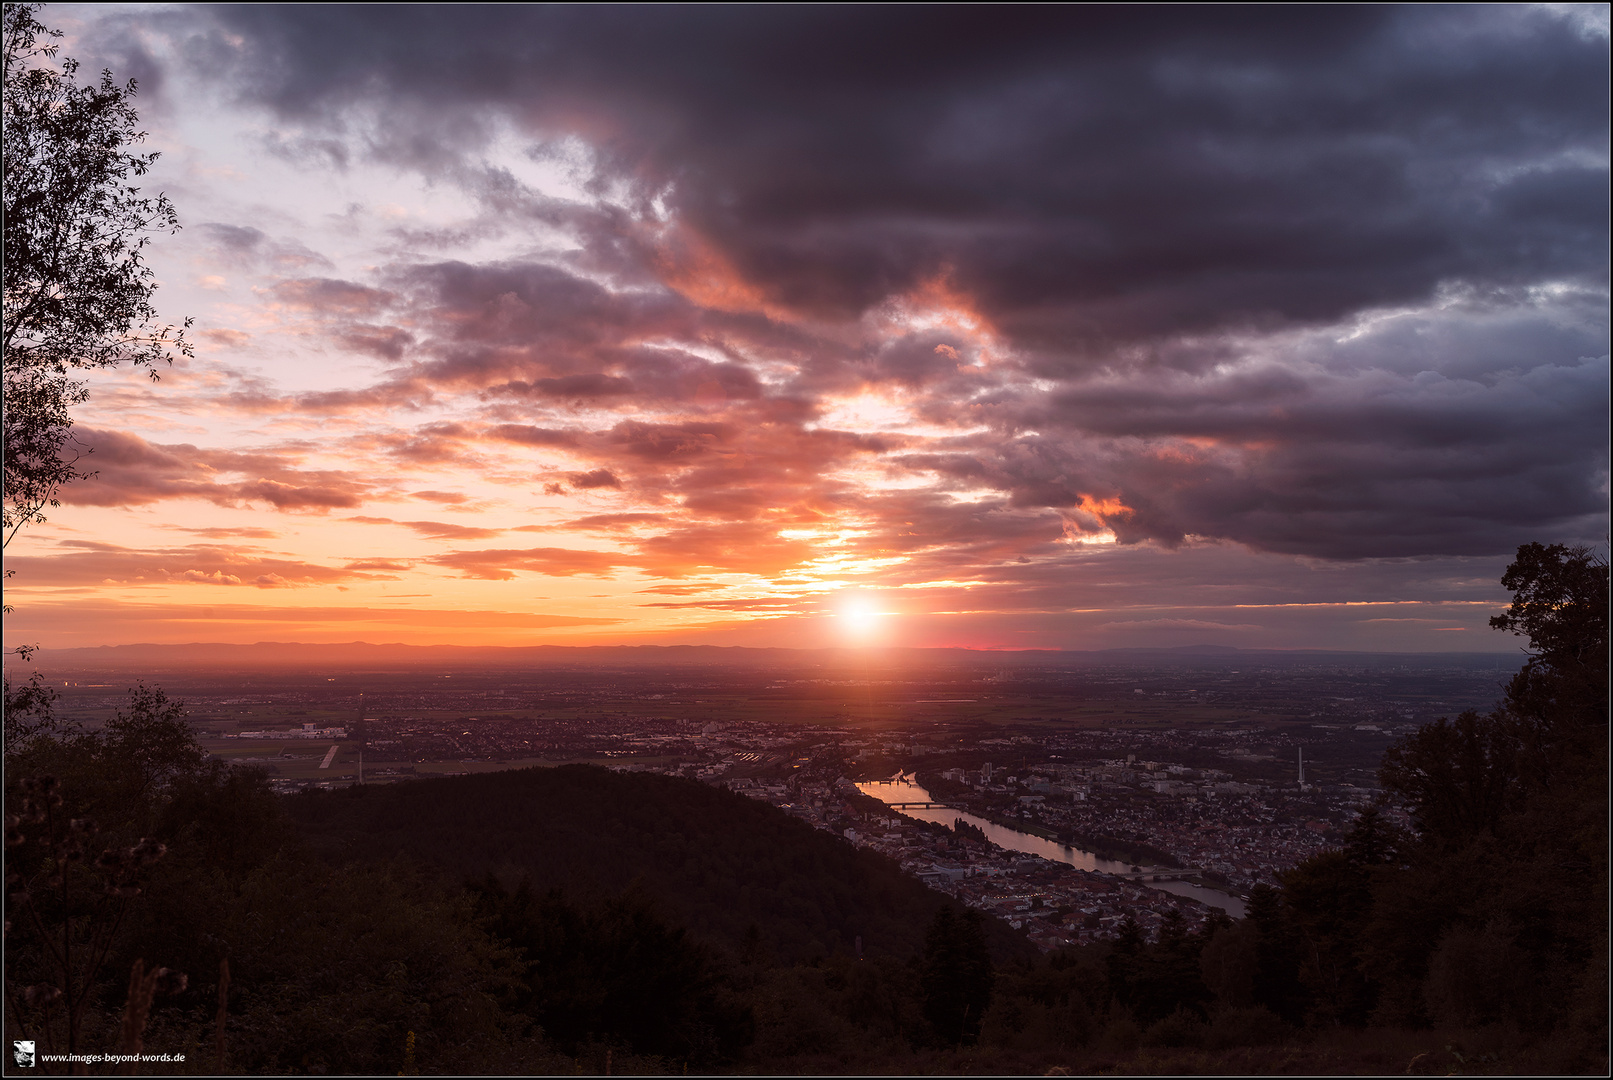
307	731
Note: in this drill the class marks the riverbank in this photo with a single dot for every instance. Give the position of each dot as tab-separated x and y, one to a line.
1126	851
1011	835
1112	848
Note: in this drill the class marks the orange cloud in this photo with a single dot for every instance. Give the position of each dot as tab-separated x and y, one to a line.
504	563
611	522
1107	507
688	263
89	563
745	547
434	530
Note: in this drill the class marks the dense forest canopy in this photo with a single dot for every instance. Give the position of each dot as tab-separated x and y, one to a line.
716	861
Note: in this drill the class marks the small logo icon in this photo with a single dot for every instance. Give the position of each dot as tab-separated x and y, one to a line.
23	1051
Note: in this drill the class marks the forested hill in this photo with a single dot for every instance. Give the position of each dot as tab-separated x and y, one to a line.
712	860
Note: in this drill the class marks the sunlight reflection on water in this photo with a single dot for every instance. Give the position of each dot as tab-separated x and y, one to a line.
903	790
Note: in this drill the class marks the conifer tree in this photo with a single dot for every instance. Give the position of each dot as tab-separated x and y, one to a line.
957	976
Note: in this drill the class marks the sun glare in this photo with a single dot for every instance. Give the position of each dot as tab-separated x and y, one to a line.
859	617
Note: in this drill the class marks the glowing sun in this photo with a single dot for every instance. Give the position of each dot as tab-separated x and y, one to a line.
859	617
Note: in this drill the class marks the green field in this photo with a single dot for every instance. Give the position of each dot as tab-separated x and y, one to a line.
299	759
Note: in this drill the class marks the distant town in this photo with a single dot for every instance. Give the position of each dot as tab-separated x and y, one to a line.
1061	798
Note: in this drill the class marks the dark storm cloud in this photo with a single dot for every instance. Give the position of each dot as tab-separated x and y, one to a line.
1320	280
382	342
328	295
593	385
1341	465
527	435
130	471
1099	172
598	478
528	330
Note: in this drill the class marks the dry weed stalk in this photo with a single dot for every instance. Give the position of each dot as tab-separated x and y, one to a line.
223	1013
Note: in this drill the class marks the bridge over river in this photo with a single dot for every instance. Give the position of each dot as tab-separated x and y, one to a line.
1157	873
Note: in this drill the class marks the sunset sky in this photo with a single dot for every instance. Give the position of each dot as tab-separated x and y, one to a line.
1049	327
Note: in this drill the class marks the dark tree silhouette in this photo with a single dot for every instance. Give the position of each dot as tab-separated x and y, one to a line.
77	291
1497	909
957	976
1558	701
1456	776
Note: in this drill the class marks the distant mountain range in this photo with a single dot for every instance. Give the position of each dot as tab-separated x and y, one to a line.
151	657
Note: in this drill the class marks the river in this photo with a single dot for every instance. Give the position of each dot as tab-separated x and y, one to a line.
903	789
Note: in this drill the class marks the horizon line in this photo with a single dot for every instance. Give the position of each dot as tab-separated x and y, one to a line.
1204	647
